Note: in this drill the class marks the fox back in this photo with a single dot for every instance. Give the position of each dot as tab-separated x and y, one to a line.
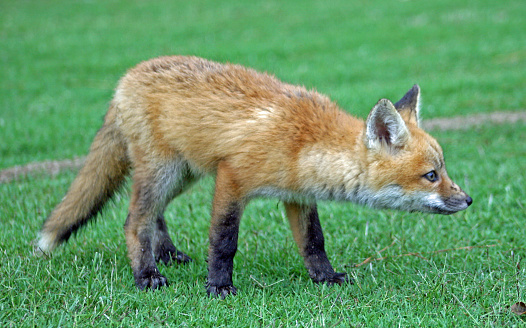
175	119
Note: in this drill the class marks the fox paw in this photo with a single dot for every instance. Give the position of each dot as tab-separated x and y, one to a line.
339	278
171	256
222	291
151	280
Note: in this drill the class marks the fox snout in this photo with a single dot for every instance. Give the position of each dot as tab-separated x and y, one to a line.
455	204
457	201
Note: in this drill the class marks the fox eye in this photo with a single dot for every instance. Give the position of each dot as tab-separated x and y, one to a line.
431	176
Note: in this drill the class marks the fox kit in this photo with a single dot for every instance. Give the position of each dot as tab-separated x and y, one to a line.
174	119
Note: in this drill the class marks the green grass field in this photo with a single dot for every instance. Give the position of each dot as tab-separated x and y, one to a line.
60	61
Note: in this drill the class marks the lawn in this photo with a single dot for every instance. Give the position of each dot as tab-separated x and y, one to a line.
62	59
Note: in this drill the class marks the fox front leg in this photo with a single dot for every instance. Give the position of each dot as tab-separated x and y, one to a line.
308	235
224	228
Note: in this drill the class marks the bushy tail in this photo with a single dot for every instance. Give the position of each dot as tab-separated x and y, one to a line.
106	167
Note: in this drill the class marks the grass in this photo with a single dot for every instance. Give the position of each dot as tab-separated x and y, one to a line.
61	60
89	281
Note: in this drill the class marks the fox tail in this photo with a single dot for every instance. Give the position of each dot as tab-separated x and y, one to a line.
104	171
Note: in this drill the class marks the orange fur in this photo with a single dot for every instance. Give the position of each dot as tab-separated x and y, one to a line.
174	119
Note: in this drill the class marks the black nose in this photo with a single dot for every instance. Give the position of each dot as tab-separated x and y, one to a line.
469	200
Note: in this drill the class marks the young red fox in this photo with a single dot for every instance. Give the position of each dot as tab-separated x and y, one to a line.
175	119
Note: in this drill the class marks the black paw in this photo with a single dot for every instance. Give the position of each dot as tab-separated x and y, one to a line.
172	256
339	278
151	280
222	291
180	257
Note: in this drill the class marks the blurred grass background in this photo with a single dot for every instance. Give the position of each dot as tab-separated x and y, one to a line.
60	61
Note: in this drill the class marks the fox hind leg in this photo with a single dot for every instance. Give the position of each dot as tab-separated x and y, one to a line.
145	229
140	235
308	235
164	248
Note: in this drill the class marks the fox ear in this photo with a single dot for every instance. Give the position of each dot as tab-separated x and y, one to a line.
385	127
409	106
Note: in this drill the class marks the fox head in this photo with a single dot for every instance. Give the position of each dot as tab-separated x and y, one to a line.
406	168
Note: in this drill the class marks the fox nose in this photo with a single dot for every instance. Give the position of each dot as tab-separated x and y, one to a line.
469	200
